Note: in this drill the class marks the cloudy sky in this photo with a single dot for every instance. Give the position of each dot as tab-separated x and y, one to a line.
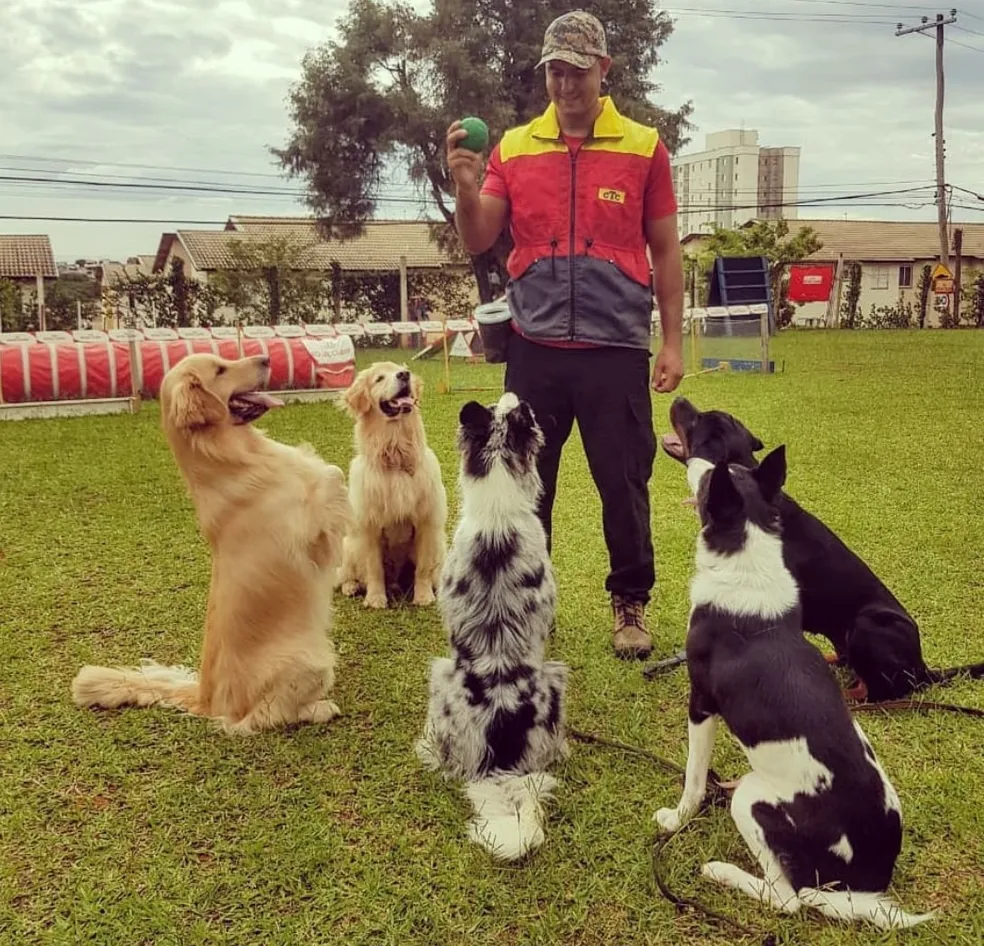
158	91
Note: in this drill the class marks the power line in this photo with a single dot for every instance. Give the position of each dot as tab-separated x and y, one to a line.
855	3
57	175
832	18
865	199
150	167
193	188
163	221
779	14
170	185
964	29
956	42
137	166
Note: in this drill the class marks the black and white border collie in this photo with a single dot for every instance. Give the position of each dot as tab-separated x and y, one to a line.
817	811
842	598
496	712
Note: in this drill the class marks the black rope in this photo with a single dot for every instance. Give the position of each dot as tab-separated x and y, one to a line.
768	939
718	795
921	706
714	780
661	666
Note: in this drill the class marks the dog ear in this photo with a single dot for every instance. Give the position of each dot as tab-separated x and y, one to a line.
523	414
475	416
757	444
770	474
358	401
193	405
724	502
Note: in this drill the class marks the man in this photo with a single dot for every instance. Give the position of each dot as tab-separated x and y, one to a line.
586	191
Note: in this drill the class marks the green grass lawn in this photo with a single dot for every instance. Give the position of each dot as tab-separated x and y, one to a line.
148	827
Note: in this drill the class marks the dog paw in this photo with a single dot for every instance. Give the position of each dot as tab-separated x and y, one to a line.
722	873
376	599
715	870
668	819
422	597
427	754
324	711
350	588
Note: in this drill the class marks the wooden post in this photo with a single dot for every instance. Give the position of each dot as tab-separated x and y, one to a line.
940	181
336	290
938	24
78	313
136	378
764	335
833	303
42	321
957	252
404	310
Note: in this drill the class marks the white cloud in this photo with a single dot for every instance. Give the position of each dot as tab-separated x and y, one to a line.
202	85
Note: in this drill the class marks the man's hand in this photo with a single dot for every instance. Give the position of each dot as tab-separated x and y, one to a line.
464	165
668	369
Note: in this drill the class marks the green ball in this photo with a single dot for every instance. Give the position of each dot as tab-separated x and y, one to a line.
478	134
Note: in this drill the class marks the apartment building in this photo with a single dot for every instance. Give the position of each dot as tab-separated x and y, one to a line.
734	180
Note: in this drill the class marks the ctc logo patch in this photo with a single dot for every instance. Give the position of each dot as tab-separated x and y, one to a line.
611	195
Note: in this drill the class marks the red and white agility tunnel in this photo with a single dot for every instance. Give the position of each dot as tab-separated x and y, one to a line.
74	370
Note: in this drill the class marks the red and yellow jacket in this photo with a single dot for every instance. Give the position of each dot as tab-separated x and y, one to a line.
579	270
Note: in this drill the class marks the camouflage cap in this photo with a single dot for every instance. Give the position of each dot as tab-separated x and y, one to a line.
576	37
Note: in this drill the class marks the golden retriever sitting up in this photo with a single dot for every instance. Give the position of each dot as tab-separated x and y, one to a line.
274	517
398	498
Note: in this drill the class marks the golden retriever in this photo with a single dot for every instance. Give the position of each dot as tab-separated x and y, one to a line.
275	517
395	486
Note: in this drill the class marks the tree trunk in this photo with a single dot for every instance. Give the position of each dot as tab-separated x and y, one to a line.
273	285
480	266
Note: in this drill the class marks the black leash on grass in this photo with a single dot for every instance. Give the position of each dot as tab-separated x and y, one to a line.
923	706
659	845
716	795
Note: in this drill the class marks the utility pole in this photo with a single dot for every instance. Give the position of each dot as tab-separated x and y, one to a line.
937	24
958	253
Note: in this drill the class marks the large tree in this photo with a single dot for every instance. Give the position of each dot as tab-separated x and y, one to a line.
384	93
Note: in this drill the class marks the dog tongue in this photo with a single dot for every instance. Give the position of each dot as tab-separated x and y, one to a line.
672	441
261	398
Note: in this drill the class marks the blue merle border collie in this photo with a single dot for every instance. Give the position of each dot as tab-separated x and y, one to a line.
496	713
817	811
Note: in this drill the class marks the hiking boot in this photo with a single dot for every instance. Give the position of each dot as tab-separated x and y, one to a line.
631	640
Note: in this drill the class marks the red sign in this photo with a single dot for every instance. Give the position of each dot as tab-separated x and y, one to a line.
810	283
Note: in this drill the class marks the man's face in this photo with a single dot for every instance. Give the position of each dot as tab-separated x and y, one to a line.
574	91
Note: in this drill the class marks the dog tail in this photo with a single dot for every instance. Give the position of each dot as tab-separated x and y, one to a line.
508	820
877	908
974	671
150	684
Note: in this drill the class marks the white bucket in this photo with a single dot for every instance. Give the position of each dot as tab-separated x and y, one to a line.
495	326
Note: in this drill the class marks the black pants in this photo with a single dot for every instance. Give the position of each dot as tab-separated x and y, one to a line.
606	390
